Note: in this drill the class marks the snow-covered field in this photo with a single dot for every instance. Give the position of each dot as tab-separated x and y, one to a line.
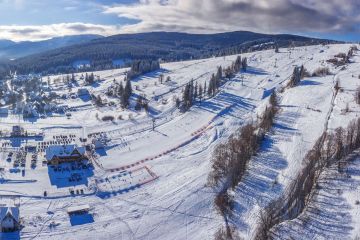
152	184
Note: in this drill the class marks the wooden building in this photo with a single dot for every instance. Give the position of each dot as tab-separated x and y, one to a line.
9	219
57	154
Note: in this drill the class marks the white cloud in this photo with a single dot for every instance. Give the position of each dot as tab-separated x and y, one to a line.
207	16
41	32
270	16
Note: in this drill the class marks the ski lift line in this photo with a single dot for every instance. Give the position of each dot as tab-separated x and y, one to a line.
194	136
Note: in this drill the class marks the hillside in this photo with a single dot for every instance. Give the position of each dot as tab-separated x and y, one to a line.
13	50
105	52
150	181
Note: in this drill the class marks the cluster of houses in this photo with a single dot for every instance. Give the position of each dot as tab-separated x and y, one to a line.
35	107
28	95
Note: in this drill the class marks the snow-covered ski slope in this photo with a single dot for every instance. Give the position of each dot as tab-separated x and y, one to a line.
152	184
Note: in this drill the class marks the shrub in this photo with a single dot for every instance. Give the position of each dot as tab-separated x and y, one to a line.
321	72
107	118
224	203
340	55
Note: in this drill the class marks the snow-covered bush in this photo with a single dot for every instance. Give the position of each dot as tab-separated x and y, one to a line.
321	72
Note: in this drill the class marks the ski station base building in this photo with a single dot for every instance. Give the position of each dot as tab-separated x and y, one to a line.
58	154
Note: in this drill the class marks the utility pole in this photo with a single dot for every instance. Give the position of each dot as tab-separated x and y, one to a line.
153	121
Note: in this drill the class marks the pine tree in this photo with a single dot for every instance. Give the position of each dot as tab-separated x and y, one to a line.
124	101
218	76
209	90
200	92
161	78
244	64
92	78
186	97
212	86
120	90
191	92
296	77
195	91
219	73
127	93
139	103
238	64
303	72
228	73
128	88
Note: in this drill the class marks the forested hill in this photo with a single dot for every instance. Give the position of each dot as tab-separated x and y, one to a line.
169	46
14	50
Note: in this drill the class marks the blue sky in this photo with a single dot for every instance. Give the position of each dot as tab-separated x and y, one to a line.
39	12
41	19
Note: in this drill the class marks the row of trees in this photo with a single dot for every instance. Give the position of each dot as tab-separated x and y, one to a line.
239	64
141	102
215	82
194	91
298	74
230	161
230	158
140	67
122	93
343	58
89	78
329	149
301	72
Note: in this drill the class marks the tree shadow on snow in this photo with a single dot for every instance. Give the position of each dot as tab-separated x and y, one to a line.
70	174
223	100
267	92
81	219
10	236
259	185
153	74
329	214
256	71
309	83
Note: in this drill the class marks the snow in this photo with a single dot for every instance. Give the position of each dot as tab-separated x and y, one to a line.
152	184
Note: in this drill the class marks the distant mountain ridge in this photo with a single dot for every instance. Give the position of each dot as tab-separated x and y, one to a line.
101	53
6	43
13	50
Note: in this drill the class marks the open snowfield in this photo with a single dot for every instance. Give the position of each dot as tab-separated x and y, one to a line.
151	184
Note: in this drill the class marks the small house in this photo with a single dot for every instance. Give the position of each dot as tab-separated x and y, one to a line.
9	219
83	91
17	131
98	144
57	154
80	209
